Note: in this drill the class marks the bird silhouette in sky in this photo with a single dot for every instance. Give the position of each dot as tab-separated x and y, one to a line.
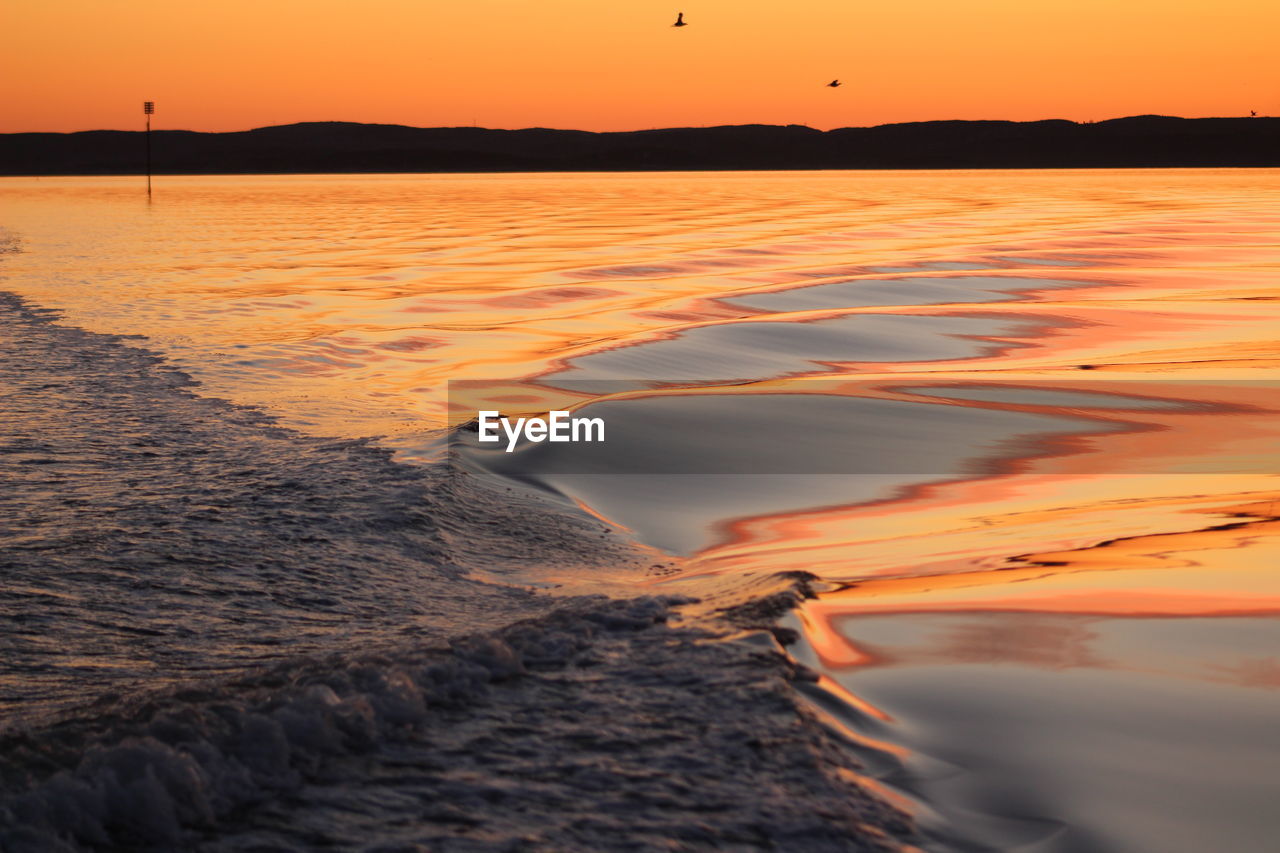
1253	113
834	84
680	20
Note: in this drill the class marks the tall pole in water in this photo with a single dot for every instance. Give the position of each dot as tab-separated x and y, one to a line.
148	107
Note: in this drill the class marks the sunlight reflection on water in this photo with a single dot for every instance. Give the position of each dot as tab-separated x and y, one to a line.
1084	653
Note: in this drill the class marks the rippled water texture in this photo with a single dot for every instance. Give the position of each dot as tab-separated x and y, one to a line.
1048	610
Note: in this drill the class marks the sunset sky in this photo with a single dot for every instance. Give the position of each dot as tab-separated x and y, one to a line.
619	65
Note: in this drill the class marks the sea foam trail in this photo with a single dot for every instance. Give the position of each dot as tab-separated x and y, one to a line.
595	727
148	533
244	631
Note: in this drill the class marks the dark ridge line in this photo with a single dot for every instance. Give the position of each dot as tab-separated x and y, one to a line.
348	147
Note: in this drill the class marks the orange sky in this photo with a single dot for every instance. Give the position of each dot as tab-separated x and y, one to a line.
617	64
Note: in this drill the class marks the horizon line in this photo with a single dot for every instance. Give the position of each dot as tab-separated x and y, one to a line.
639	129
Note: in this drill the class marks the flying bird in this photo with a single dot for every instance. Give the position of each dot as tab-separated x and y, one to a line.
834	84
1253	113
680	20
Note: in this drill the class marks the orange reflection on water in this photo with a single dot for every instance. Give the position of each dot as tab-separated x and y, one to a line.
1173	447
346	303
1219	571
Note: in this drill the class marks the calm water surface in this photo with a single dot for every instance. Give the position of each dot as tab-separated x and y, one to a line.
1050	594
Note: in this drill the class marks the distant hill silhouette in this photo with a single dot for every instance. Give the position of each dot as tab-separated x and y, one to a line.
1139	141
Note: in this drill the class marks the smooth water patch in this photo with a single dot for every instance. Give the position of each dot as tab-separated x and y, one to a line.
1060	725
679	469
756	350
916	290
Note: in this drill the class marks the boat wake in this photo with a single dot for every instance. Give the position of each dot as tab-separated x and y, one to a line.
231	636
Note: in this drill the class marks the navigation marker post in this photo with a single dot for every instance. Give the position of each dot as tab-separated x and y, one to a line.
148	108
